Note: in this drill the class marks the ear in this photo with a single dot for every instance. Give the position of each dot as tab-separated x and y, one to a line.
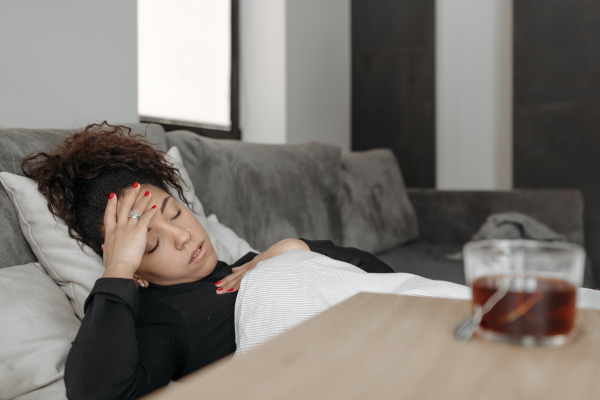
139	280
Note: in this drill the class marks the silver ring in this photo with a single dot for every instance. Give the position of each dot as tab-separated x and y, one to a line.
142	284
134	215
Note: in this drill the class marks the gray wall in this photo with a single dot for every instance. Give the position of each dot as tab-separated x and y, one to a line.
557	102
473	62
393	83
318	71
262	71
295	71
66	63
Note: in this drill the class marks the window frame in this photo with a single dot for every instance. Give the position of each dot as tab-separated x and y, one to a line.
208	130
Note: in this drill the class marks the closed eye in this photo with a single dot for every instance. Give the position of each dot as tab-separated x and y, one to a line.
158	240
155	247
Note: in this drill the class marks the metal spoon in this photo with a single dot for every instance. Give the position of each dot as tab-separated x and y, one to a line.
469	325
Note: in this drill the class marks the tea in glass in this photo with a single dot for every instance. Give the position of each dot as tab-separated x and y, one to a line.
536	284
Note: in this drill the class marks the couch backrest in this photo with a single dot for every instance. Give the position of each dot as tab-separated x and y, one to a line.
266	193
16	144
377	215
453	217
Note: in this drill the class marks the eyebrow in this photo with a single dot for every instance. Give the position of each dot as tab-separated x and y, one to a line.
164	204
162	208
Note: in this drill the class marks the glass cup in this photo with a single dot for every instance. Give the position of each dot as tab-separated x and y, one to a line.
524	290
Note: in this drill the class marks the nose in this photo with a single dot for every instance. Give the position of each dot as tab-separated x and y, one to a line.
180	237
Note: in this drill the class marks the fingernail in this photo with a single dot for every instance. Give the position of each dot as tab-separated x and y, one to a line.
219	289
153	207
101	247
147	193
217	283
111	196
135	185
230	290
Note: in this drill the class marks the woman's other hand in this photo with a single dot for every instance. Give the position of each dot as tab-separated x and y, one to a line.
124	237
232	282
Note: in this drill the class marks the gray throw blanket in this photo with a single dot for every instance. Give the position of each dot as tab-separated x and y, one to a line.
512	225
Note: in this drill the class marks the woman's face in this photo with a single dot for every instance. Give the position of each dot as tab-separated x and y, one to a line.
178	249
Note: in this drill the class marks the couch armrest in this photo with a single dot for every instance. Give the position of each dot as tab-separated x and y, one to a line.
452	217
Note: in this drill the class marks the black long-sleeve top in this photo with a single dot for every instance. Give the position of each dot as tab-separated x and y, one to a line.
132	341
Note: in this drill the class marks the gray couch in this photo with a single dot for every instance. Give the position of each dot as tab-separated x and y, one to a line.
448	219
266	193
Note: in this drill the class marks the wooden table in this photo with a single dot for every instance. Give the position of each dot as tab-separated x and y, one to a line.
376	346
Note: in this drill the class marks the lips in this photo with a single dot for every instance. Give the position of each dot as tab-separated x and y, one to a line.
197	252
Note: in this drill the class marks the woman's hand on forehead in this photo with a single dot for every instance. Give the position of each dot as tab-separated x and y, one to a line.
126	221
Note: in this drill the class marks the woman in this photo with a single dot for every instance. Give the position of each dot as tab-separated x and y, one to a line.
111	189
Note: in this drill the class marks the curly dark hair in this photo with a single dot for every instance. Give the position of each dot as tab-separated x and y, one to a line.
80	174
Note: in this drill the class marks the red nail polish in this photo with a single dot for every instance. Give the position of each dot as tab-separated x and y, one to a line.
101	247
230	290
219	289
217	283
153	207
135	185
111	196
147	193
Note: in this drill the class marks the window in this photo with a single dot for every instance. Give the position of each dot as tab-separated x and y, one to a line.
188	65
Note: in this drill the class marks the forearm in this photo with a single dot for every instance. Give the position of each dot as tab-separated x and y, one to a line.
282	247
104	361
362	259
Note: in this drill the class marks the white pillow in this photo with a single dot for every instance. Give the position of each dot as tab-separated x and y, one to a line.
37	328
230	246
54	391
76	271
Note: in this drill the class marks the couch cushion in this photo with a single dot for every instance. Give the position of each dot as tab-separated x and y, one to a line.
75	270
16	144
265	193
376	212
427	260
38	326
54	391
59	254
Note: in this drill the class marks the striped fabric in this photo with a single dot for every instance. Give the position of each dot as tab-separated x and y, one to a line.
287	290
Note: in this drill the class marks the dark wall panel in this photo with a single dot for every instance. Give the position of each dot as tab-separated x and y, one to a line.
393	83
557	102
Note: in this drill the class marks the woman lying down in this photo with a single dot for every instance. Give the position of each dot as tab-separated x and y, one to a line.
165	305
